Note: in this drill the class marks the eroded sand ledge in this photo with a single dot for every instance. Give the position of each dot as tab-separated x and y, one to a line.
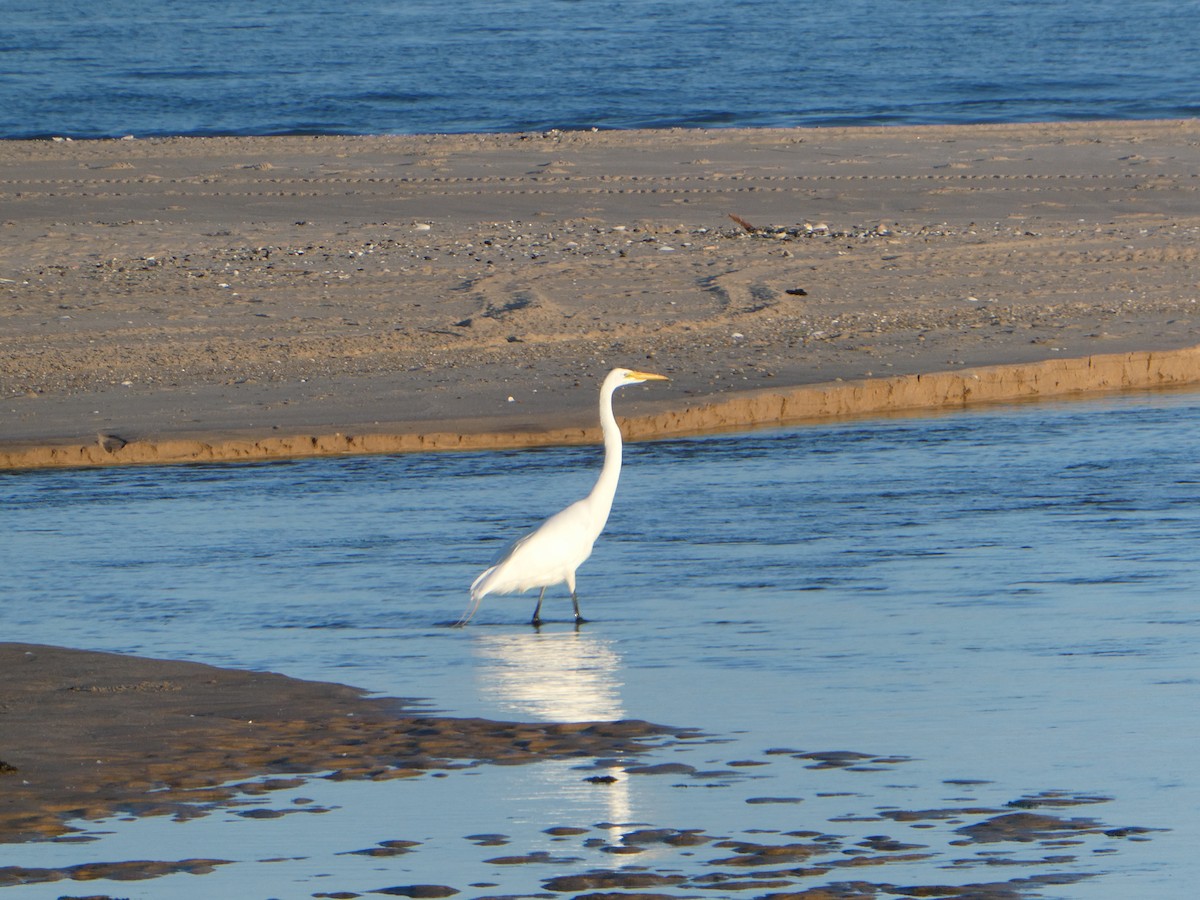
935	391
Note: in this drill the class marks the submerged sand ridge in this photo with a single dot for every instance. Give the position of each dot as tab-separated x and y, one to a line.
246	293
87	735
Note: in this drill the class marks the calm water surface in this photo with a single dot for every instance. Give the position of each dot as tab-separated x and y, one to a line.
154	67
1005	596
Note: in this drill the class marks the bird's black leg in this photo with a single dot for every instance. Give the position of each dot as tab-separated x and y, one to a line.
579	620
536	621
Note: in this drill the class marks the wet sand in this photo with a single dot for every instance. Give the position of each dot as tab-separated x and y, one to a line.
249	298
88	735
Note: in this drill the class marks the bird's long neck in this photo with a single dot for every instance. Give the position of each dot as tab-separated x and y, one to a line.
606	484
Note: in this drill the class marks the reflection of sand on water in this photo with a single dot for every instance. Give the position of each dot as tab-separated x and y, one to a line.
566	676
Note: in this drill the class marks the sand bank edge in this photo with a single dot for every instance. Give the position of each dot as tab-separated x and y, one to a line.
1053	378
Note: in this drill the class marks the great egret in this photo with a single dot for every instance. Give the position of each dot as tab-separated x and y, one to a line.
552	552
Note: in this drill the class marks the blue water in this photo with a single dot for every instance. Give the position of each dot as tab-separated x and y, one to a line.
1005	595
167	67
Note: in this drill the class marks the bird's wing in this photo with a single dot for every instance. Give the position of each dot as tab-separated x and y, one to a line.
506	553
542	557
501	558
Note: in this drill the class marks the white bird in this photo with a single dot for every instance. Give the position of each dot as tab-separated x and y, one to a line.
552	552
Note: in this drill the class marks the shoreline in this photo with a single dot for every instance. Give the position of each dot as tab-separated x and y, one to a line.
764	408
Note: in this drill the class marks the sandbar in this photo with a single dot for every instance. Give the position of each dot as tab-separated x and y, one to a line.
247	298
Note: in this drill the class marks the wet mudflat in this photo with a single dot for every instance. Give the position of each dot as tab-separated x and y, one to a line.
926	657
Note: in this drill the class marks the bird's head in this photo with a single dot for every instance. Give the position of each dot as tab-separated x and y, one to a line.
632	376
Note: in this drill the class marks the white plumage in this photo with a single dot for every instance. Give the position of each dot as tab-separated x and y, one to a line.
552	552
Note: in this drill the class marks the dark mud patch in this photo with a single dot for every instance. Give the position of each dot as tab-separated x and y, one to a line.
133	870
386	849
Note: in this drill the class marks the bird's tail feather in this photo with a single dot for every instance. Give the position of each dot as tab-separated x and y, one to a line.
475	585
477	595
471	610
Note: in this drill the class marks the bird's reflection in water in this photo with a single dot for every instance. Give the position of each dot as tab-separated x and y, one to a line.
559	676
563	676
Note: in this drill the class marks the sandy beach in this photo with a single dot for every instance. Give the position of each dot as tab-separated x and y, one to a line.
228	298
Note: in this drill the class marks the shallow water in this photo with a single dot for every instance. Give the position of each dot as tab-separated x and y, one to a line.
997	603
